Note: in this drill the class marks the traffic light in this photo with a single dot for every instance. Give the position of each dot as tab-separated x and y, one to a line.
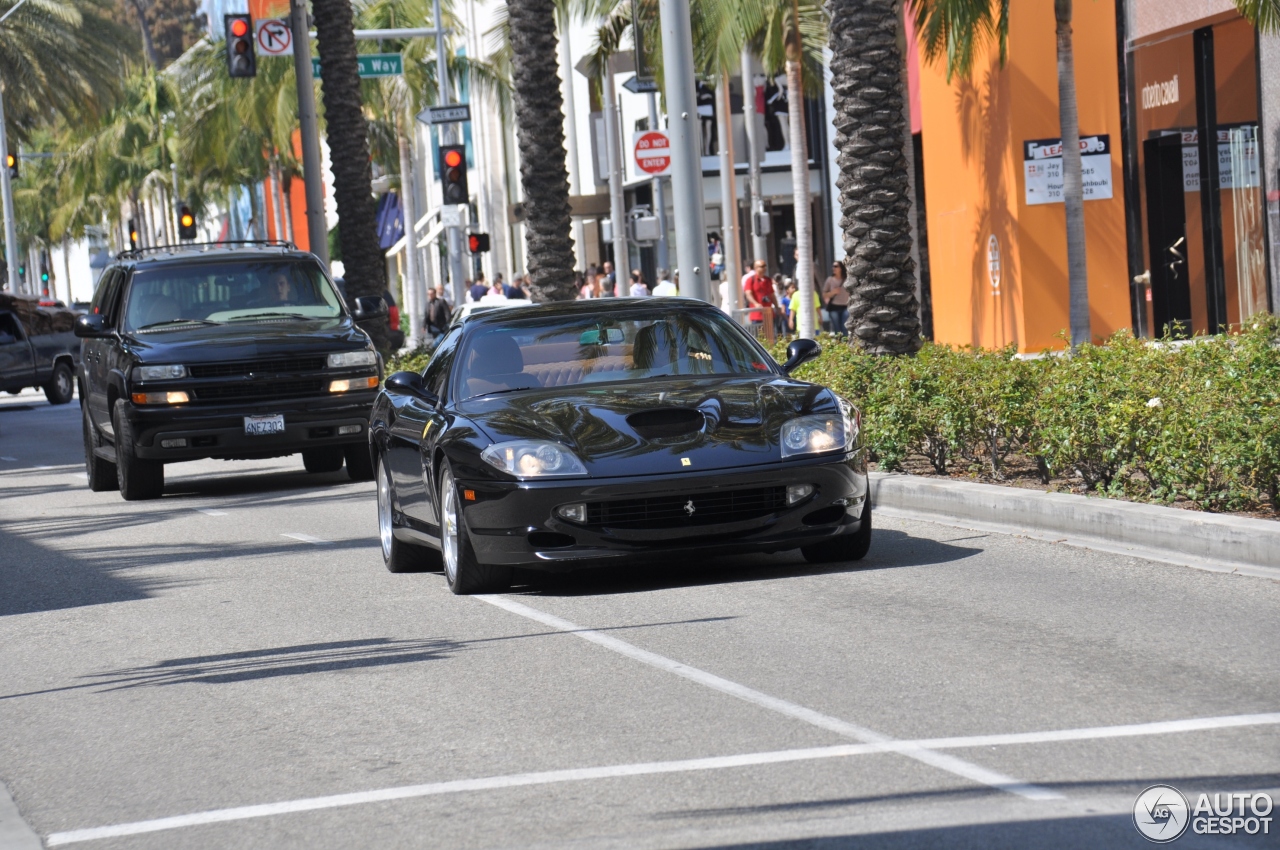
241	59
186	223
133	236
453	174
11	161
478	243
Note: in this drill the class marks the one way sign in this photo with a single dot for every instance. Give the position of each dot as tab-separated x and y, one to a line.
275	38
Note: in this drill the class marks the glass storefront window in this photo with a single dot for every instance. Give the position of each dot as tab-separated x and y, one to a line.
1167	139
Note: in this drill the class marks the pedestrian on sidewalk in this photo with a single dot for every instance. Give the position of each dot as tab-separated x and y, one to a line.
835	298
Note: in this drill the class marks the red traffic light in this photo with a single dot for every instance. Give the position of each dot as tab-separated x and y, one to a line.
453	158
239	27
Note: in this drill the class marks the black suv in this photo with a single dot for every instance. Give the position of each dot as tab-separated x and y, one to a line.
238	352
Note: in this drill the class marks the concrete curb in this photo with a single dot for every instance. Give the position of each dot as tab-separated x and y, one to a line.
1206	541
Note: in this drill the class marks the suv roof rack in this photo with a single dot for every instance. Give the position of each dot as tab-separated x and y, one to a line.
136	253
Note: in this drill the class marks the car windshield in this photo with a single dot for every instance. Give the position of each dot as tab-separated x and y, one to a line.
219	293
569	350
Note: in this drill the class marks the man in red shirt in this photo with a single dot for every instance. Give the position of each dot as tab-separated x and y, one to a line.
757	286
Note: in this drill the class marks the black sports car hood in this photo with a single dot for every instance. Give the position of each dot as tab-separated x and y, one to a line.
660	427
246	340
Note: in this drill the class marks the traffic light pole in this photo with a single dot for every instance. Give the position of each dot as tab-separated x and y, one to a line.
313	179
10	230
447	136
686	166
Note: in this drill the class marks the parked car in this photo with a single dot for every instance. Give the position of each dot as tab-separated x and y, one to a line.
214	352
561	436
37	348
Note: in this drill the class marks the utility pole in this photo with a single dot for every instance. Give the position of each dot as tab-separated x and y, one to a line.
617	213
759	245
659	195
448	137
10	230
686	172
730	288
313	178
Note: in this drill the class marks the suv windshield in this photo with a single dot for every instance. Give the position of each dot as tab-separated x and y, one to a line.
218	293
568	350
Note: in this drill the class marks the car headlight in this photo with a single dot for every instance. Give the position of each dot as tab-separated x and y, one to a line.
348	359
158	373
533	459
819	433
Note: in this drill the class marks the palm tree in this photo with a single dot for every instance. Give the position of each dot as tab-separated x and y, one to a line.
956	30
347	132
871	136
58	57
1263	14
544	176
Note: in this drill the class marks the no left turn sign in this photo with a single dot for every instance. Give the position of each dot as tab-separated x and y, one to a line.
274	38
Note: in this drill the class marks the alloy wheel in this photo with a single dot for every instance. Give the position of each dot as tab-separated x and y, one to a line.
449	527
384	510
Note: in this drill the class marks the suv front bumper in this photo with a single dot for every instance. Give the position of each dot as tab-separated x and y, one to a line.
217	431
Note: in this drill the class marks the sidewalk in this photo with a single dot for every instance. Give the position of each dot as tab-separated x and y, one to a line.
1214	542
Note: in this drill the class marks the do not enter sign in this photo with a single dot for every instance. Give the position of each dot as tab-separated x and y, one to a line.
653	152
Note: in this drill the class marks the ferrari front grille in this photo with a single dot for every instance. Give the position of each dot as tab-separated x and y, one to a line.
690	509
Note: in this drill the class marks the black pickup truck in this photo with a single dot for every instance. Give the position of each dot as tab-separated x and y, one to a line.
37	348
243	352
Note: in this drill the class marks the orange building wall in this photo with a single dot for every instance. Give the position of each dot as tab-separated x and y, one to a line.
973	130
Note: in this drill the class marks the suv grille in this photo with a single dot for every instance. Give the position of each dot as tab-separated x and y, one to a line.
255	391
715	507
291	365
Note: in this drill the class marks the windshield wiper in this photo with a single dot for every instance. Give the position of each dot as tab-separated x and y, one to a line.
177	322
271	315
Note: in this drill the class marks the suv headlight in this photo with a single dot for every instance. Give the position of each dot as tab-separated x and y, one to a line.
533	459
823	432
348	359
158	373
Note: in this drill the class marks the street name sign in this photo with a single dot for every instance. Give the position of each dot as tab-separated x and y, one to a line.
452	114
274	37
652	149
371	65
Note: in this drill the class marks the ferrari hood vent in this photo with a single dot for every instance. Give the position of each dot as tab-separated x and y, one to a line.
666	422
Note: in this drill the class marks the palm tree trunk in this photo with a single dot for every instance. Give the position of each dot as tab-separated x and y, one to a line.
66	266
148	45
288	209
875	202
276	218
1072	178
800	196
540	135
348	136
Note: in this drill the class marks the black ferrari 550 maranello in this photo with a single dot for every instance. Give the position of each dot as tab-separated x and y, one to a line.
569	435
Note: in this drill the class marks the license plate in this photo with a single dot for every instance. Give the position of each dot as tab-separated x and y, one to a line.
258	425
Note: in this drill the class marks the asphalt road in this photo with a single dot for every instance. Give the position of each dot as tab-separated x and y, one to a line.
231	666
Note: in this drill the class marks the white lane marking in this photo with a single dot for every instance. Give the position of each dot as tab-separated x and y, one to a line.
307	538
212	512
942	761
10	459
580	774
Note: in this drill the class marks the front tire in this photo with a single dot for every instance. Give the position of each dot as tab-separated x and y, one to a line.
102	473
359	462
846	547
61	387
327	459
399	557
140	479
462	571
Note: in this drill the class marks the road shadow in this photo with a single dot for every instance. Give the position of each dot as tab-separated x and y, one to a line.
890	549
34	578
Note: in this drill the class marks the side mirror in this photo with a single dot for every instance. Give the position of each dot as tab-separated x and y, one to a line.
369	307
410	383
799	352
90	325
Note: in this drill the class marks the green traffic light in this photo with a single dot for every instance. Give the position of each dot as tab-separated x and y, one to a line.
44	277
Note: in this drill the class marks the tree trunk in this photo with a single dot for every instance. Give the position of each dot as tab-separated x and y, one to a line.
348	136
148	45
276	218
1072	178
66	266
539	114
288	210
800	197
871	136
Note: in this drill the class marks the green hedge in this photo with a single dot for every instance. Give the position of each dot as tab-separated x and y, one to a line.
1196	421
